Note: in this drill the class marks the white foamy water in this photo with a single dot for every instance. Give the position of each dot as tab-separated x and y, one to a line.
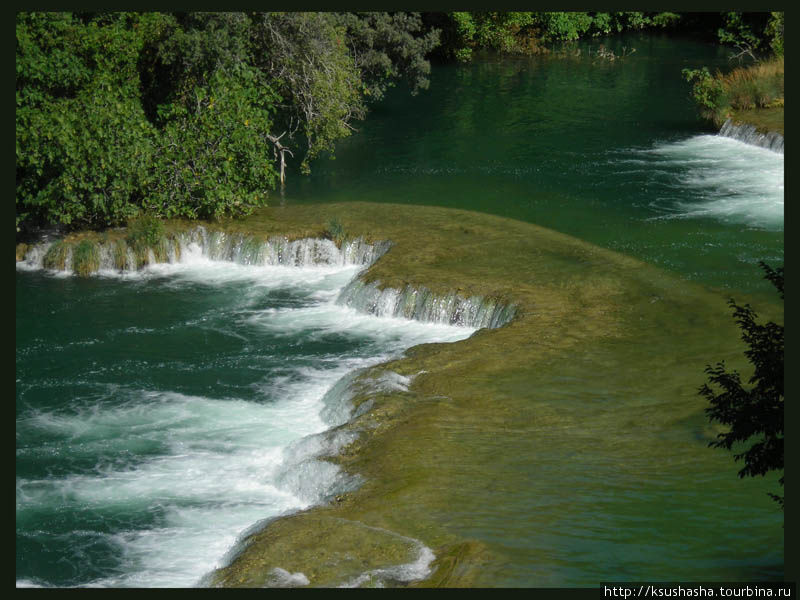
207	469
727	180
419	568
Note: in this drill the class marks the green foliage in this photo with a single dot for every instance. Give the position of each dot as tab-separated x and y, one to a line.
737	31
461	32
85	258
753	34
56	256
465	30
705	89
387	47
190	49
565	26
506	31
753	415
666	19
144	232
83	145
706	92
214	157
335	231
774	33
529	32
187	114
306	57
616	22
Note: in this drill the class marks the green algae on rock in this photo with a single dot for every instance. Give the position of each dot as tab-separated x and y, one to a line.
605	352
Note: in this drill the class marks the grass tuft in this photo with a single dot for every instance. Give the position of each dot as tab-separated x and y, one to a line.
144	234
56	256
335	231
161	250
120	255
85	258
757	86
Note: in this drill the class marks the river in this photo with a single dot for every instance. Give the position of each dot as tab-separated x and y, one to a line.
161	414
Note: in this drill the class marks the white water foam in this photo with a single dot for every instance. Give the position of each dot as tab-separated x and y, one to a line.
208	469
730	181
283	578
417	569
194	265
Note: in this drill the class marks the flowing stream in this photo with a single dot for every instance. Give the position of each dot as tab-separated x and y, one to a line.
162	413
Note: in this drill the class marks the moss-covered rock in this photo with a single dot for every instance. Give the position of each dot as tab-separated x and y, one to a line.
85	258
507	409
57	255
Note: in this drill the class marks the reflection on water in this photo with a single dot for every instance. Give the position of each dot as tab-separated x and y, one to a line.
610	152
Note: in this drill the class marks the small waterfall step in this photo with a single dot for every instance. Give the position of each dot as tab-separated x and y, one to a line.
750	135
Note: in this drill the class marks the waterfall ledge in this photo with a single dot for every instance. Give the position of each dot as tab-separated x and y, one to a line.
750	135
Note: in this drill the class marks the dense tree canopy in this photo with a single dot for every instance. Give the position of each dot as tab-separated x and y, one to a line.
523	32
191	114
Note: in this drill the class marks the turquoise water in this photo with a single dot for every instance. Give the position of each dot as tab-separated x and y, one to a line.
610	152
160	415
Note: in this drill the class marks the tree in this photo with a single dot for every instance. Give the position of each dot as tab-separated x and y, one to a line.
389	46
189	114
305	57
83	143
214	157
755	414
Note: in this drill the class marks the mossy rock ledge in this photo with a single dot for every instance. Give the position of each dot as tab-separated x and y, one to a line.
418	451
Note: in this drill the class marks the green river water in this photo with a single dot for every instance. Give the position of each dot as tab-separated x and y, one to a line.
160	414
609	152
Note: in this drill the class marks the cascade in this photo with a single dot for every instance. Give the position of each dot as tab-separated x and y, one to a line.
750	135
216	245
421	304
417	303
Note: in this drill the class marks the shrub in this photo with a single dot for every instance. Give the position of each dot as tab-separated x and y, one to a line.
707	92
758	86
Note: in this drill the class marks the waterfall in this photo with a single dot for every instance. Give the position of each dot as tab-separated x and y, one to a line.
215	245
750	135
420	304
417	303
